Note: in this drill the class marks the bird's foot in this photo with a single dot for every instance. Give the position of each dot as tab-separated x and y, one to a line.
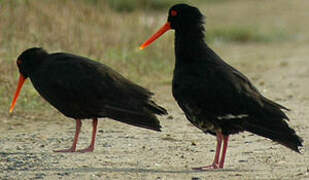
204	168
89	149
66	150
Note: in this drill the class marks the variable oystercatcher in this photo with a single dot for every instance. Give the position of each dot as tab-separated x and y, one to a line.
216	97
84	89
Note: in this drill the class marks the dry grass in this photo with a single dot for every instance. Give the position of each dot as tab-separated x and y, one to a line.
96	31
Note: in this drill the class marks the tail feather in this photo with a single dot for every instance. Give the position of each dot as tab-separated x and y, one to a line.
274	104
279	132
148	121
274	109
153	107
145	117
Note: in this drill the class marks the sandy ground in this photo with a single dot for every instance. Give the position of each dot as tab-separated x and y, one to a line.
126	152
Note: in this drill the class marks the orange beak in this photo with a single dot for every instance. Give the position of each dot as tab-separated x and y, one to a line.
19	86
162	30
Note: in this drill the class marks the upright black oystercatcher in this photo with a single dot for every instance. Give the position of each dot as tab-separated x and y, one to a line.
82	89
215	97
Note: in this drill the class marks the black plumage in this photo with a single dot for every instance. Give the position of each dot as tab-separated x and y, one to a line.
81	89
216	97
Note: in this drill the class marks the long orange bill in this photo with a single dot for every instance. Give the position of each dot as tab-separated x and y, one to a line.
162	30
19	86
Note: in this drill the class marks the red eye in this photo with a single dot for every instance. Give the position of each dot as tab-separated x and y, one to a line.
19	62
173	13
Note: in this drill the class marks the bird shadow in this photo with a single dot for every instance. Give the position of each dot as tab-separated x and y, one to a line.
126	170
110	169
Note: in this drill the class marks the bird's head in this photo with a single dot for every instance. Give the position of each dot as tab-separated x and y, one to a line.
27	62
181	17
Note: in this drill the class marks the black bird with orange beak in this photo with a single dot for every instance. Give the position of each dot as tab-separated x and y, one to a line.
84	89
215	97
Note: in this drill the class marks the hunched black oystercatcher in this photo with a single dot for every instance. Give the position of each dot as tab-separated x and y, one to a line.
216	97
82	89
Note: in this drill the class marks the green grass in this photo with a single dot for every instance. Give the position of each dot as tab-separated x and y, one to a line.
245	35
149	5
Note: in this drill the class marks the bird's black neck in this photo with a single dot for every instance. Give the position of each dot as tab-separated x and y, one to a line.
189	44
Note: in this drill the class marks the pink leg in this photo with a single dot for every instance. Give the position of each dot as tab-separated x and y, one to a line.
73	148
215	164
94	134
225	144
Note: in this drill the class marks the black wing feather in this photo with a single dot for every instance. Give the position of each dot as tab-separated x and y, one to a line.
88	89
